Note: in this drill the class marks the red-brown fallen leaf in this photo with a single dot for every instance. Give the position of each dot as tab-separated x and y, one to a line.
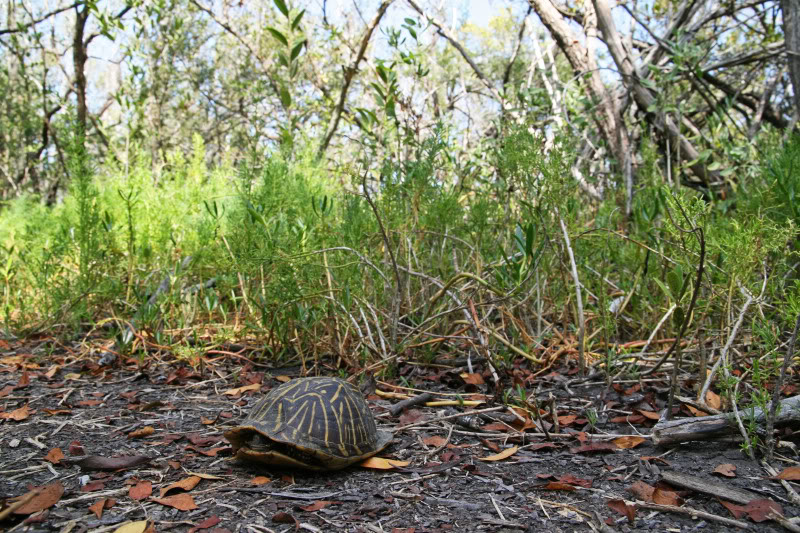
317	505
187	483
93	486
666	497
96	462
628	511
44	498
90	403
206	421
633	419
381	463
567	419
491	445
260	480
643	491
410	416
18	414
203	440
726	469
142	432
556	485
435	441
472	379
97	508
649	414
54	456
210	452
53	412
756	510
239	390
578	482
594	447
284	518
5	391
75	448
24	380
628	442
791	473
182	502
495	426
505	454
140	491
404	529
175	465
209	522
695	411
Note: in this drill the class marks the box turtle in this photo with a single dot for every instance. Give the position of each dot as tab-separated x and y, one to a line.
311	423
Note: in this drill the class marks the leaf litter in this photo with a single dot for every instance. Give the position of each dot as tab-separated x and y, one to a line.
135	431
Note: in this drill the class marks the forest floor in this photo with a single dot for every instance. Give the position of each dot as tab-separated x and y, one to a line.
171	469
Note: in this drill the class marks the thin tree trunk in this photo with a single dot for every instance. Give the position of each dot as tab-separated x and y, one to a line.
791	33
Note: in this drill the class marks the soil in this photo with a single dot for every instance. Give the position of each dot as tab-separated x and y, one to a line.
175	416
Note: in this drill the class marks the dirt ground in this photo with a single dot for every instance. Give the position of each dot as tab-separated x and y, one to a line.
174	416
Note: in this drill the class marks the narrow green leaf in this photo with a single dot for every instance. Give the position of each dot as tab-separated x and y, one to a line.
297	48
675	281
282	59
410	22
281	5
296	20
286	98
279	36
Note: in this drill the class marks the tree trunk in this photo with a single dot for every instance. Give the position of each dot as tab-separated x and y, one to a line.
791	33
79	58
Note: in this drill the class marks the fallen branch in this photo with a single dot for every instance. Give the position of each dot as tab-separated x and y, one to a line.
710	427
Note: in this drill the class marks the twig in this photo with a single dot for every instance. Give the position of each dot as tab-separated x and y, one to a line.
776	391
579	298
693	513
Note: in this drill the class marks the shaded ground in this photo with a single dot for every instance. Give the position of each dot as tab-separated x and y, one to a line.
175	416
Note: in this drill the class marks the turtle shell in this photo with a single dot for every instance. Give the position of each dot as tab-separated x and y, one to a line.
312	423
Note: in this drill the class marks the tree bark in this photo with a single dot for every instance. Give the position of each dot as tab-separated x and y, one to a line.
79	58
584	64
791	32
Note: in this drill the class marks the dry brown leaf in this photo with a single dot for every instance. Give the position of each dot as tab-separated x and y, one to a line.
628	511
317	505
44	498
435	441
695	411
791	473
713	400
187	483
726	469
97	508
643	491
239	390
505	454
666	497
626	443
141	490
182	502
142	432
649	414
472	379
18	414
260	480
282	378
381	463
54	456
132	527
